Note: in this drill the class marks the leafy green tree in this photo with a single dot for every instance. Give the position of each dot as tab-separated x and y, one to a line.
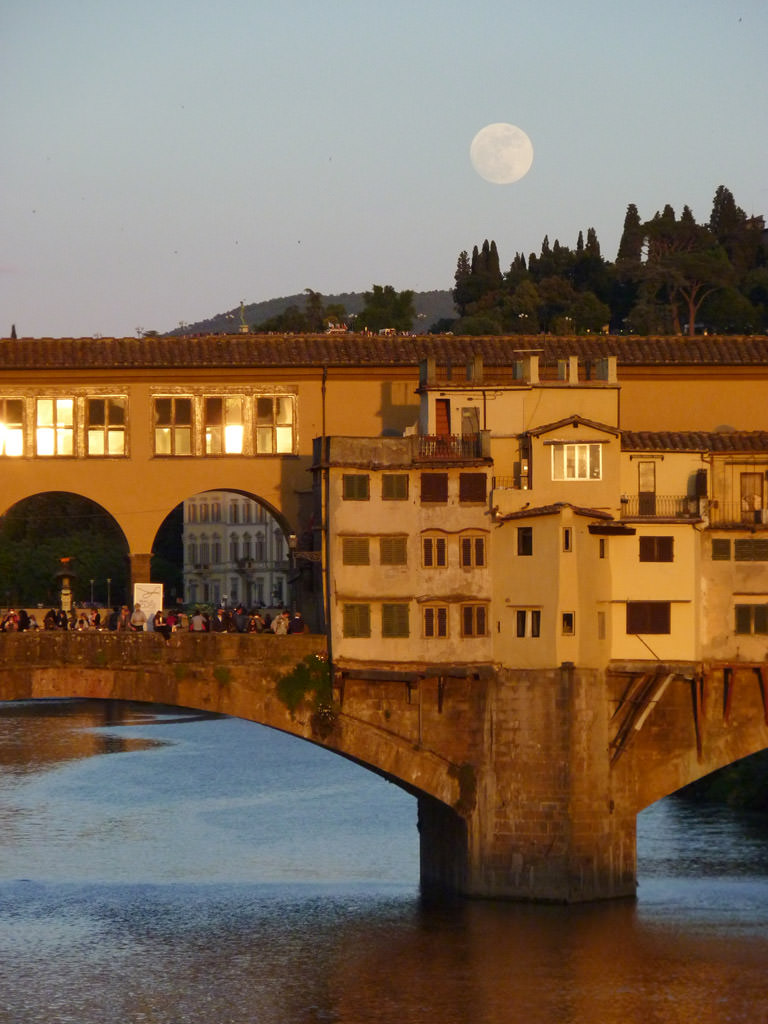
740	236
386	308
685	263
39	531
462	295
588	314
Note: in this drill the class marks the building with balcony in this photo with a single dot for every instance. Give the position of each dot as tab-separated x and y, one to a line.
533	531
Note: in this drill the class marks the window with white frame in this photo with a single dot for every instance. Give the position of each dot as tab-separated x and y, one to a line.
577	461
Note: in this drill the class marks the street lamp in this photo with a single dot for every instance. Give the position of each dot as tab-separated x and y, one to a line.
109	592
92	582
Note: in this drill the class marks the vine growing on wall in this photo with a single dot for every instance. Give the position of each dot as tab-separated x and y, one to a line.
308	682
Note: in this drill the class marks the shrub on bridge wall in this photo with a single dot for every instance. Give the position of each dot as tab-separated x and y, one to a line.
311	676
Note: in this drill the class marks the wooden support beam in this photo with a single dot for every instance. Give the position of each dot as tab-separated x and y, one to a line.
758	670
728	686
697	699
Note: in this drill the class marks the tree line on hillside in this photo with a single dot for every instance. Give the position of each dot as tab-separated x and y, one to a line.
383	308
671	276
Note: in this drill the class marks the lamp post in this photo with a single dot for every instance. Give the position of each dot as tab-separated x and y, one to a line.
92	582
109	592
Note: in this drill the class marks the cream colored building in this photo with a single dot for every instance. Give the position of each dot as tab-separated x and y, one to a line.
601	545
235	552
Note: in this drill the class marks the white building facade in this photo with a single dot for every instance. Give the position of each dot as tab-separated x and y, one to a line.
235	552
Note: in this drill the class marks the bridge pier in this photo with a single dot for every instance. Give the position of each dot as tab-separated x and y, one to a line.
540	817
140	568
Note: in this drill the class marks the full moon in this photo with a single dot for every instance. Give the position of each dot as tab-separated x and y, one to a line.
501	153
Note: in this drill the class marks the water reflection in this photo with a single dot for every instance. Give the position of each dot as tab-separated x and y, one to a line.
217	872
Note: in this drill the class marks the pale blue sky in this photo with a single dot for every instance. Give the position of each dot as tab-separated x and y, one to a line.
164	160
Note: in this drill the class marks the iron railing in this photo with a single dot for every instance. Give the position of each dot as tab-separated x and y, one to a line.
660	506
448	446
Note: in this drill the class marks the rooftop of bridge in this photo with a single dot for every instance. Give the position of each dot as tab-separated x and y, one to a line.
364	350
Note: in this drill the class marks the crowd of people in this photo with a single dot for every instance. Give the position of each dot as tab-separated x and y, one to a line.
134	620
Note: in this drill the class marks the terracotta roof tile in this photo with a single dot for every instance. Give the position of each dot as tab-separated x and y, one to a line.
309	350
695	440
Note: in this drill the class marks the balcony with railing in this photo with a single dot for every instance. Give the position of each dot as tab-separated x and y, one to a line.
660	506
736	513
448	447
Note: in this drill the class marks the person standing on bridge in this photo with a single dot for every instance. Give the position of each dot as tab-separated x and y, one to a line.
138	619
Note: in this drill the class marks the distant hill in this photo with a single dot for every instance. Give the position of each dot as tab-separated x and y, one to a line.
430	307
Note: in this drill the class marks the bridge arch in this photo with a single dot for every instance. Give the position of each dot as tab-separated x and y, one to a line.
45	530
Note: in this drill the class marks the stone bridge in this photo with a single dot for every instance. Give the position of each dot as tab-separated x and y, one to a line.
528	782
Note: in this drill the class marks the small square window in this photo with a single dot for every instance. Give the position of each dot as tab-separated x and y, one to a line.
393	550
721	549
472	487
434	488
357	620
356	487
394	620
355	551
394	487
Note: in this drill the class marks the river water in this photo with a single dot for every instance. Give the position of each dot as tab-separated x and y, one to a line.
163	867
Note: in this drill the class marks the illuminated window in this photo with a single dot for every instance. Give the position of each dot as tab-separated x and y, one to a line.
11	426
105	427
54	426
274	425
577	462
173	426
224	425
